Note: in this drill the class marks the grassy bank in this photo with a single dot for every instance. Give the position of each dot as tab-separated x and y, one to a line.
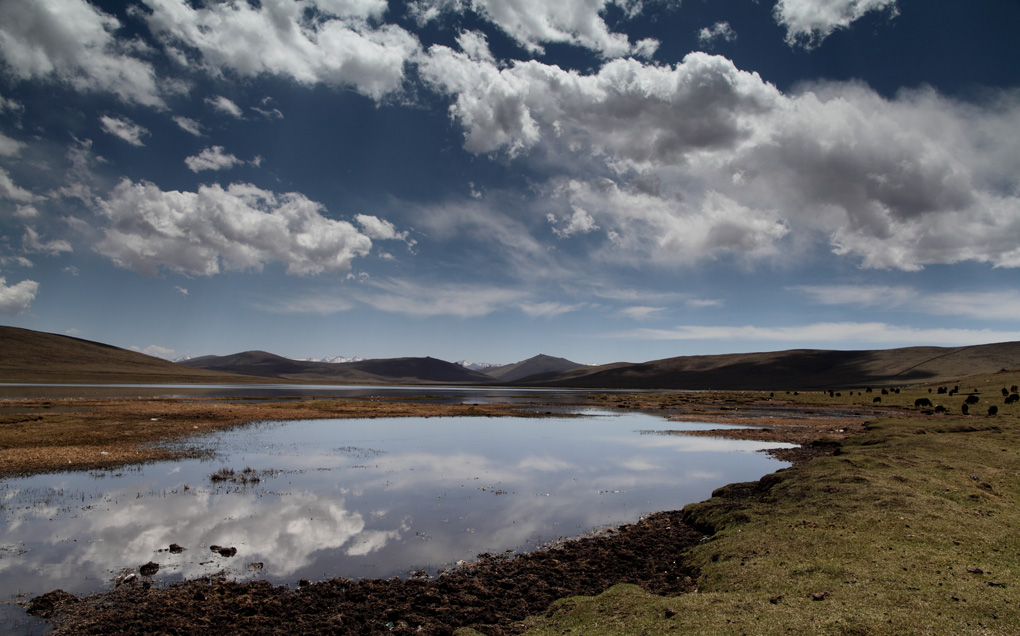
911	529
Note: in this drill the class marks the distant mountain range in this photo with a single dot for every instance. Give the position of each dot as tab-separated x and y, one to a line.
31	356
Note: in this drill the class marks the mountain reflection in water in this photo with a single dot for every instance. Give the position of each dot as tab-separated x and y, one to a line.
357	498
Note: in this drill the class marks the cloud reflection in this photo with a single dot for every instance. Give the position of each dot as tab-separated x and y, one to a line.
431	494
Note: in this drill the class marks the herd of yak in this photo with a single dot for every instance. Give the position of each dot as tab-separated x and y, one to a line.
1011	395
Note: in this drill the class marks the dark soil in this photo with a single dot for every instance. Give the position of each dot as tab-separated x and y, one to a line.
492	595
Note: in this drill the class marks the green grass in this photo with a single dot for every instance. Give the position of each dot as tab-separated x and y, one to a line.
914	528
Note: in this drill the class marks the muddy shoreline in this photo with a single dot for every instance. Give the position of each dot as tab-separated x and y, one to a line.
492	595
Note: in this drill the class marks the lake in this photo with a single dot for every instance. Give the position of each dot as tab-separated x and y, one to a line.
355	498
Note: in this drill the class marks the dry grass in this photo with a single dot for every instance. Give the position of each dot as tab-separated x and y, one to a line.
79	434
910	529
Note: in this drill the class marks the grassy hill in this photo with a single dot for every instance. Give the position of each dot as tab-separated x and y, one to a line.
795	369
32	356
380	371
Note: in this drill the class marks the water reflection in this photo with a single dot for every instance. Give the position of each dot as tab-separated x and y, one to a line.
357	498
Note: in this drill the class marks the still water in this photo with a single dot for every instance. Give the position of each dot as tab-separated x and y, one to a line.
355	498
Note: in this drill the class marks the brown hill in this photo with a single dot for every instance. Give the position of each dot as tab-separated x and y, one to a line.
796	369
536	365
33	356
379	371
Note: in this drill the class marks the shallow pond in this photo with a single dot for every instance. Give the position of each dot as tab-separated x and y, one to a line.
355	498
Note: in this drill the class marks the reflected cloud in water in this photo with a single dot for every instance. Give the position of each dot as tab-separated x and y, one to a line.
358	498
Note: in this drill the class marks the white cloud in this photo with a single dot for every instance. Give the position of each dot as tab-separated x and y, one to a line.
704	302
11	191
674	231
380	229
831	333
157	351
17	299
10	147
641	312
352	8
808	22
237	228
686	161
189	125
491	238
533	23
548	309
1001	304
7	104
212	158
639	112
32	243
73	42
462	301
125	129
225	105
718	31
318	303
338	47
476	46
580	222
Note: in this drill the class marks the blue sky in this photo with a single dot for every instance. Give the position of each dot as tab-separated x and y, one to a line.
490	179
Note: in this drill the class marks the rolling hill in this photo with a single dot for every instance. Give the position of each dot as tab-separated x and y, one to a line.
532	366
795	369
33	356
380	371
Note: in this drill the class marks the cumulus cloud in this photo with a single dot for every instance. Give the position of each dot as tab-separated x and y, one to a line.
532	23
212	158
17	299
718	31
702	157
380	229
808	22
236	228
125	129
640	112
335	45
580	222
73	42
676	231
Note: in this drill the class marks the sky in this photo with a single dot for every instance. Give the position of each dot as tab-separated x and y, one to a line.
602	180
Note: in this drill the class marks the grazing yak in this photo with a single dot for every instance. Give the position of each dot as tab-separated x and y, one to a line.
972	399
1012	397
919	402
993	410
